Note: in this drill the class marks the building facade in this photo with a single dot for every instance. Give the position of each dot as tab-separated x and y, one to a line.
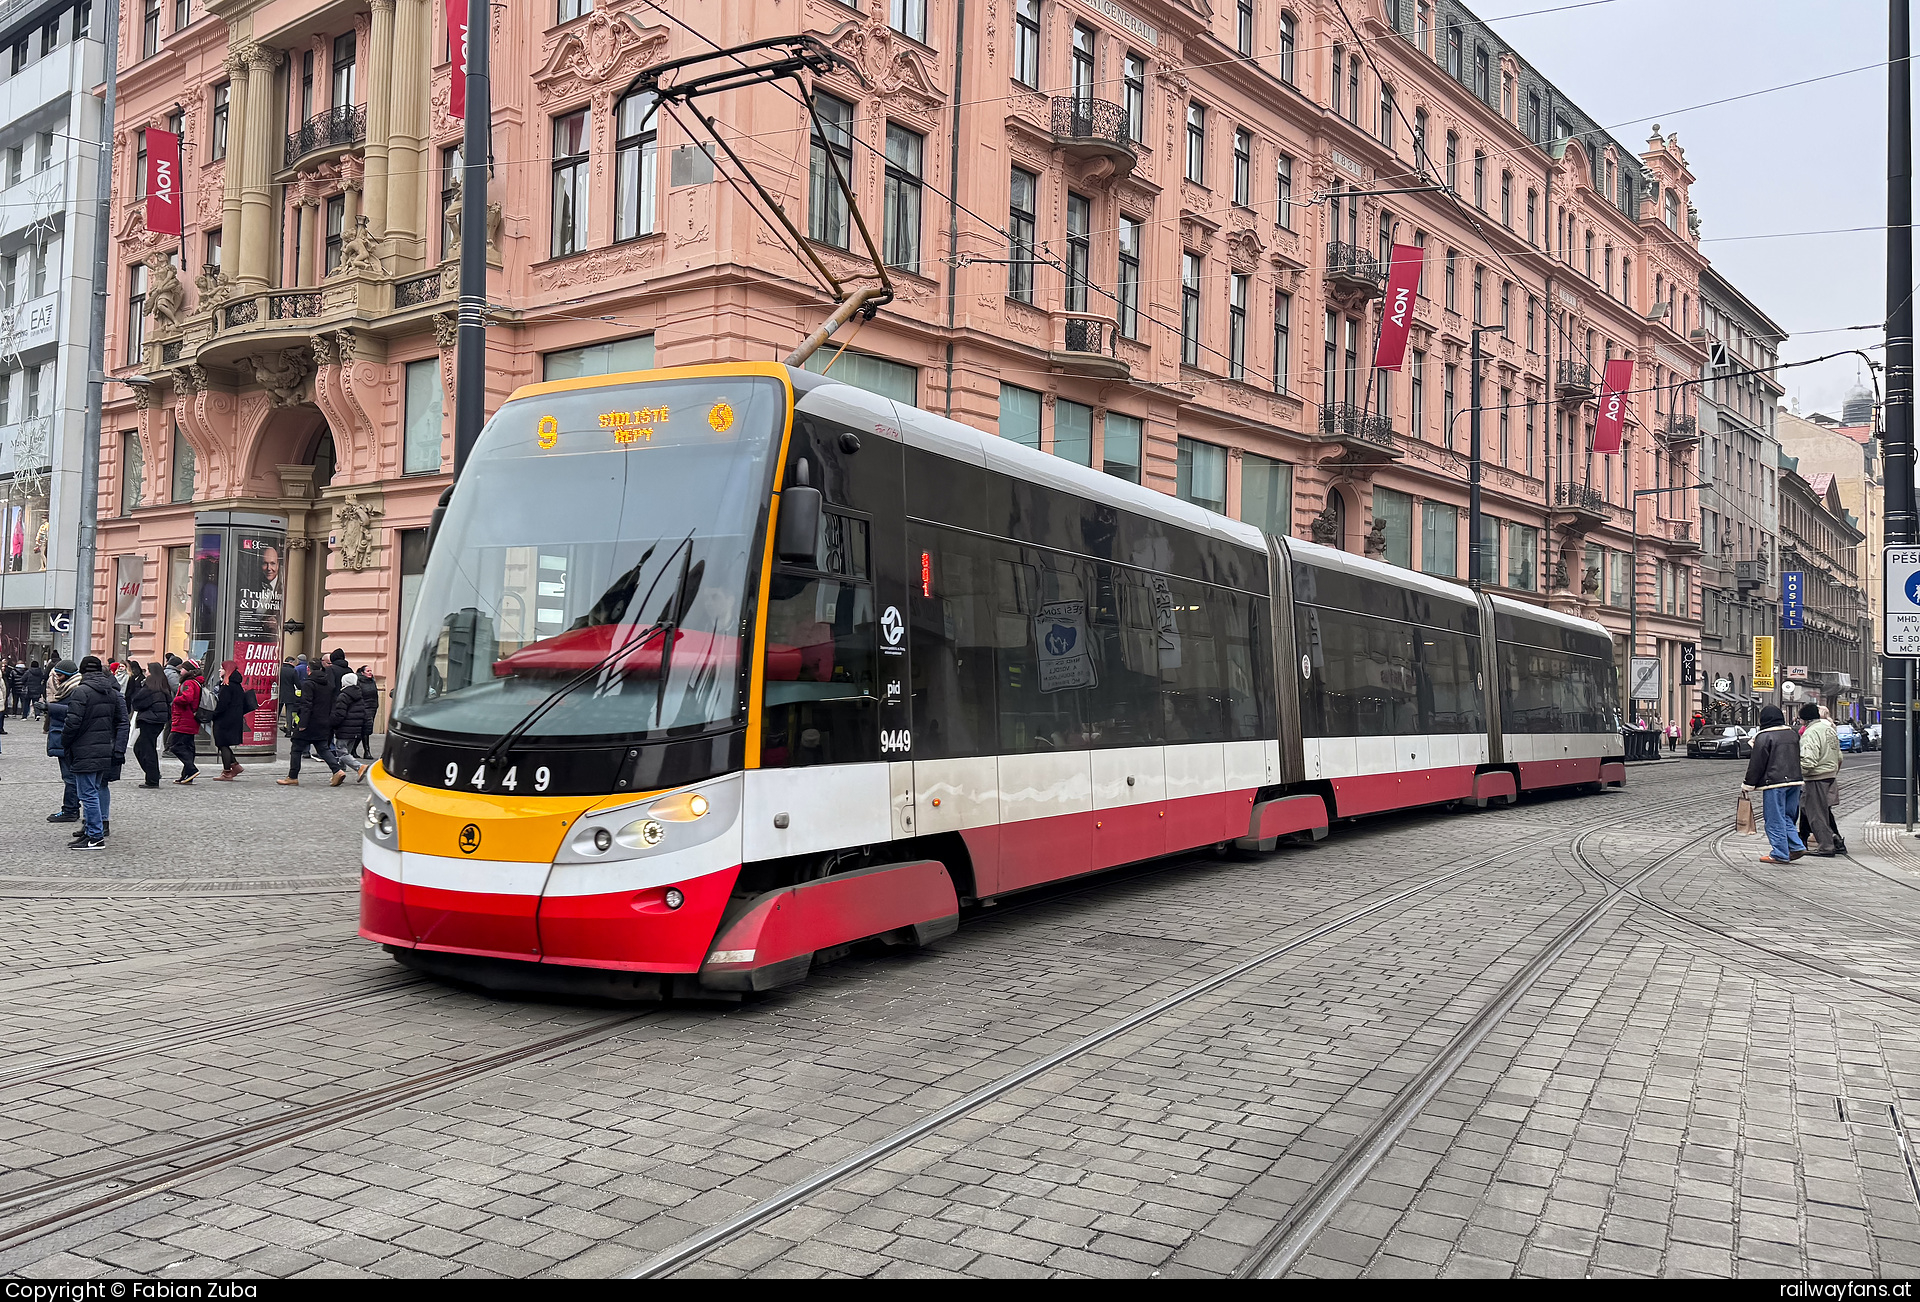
1849	454
49	134
1739	500
1820	540
1133	234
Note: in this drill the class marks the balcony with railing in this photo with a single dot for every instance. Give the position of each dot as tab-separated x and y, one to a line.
1086	343
416	291
1750	574
1365	435
1090	129
1583	507
1680	538
1573	381
1680	432
1354	272
336	130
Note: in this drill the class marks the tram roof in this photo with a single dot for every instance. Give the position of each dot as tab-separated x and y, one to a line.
1547	615
1334	559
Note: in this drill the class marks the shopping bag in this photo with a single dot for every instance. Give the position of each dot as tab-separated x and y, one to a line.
1743	820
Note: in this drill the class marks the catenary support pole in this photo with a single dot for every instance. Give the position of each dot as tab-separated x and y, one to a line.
470	356
1899	505
85	558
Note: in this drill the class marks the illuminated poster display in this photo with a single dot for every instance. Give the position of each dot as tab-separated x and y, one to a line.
237	593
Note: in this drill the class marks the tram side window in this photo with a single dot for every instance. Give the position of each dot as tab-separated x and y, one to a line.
822	657
1551	691
1376	677
1046	676
952	634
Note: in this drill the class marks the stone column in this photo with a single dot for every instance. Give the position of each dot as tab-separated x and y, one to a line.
350	192
405	155
379	116
302	245
256	196
230	220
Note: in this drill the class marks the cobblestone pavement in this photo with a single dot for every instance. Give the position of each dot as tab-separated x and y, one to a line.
1717	1073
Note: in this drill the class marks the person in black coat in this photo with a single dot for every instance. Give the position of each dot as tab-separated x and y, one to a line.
65	676
147	700
283	704
94	738
36	685
352	721
229	721
314	724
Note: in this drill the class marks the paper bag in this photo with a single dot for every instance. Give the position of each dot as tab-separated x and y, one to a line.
1743	820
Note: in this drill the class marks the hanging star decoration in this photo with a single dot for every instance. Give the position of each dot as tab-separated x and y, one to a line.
12	337
45	193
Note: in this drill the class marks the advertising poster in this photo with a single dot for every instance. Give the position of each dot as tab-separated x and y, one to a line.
205	595
259	594
1066	660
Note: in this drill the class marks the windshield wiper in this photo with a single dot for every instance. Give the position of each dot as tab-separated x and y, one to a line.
672	625
499	749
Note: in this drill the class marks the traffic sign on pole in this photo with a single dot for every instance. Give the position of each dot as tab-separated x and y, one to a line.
1900	572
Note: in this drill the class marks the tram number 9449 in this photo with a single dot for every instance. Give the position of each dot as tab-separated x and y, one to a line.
510	781
896	740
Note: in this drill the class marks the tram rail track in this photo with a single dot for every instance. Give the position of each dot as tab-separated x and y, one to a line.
697	1246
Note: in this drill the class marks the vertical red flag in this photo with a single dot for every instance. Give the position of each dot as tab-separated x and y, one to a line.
457	46
163	182
1613	405
1396	316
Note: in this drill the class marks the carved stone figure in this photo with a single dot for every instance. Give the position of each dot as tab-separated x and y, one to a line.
1326	526
283	375
165	296
213	285
1590	581
454	189
353	528
496	222
359	251
1377	539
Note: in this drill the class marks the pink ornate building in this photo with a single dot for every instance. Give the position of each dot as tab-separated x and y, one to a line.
1131	234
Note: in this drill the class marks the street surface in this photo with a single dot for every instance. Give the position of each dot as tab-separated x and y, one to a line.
1466	1053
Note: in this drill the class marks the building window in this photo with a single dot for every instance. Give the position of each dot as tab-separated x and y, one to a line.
1196	144
1454	67
610	358
1120	447
1128	303
1026	42
450	172
902	198
1386	115
1522	549
1420	140
1283	192
136	312
889	379
421	454
1673	211
1333	85
1479	295
830	166
1243	28
1506	200
44	154
1190	309
213	240
306	85
1480	179
1448	374
635	168
1353	88
1282	340
1242	167
183	466
343	82
1134	96
1533	200
1589	255
1201	477
217	132
1021	208
139	164
1506	448
149	31
1506	307
336	230
1073	432
133	472
1417	395
49	37
1079	248
1020	416
1533	329
1393	510
1453	162
17	163
1237	326
82	20
570	181
1288	27
572	9
1423	26
909	18
1533	116
1266	494
1083	42
1452	299
1439	539
1482	77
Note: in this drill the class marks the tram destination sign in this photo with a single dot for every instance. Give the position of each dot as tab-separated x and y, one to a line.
1900	630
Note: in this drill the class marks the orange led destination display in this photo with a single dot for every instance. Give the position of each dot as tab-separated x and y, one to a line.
633	426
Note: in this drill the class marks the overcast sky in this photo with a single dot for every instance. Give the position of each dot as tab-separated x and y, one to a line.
1809	158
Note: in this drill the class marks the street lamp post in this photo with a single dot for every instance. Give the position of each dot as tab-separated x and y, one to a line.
1473	456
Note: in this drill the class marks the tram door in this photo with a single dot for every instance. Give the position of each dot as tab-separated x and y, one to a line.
837	650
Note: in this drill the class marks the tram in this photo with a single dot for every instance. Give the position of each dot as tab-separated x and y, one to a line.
715	671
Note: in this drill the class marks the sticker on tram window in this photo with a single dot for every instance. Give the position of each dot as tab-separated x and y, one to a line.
896	740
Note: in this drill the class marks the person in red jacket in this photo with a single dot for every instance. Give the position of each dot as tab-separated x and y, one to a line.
185	727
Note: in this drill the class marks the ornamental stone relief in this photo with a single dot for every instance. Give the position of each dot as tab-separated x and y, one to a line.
892	65
603	48
599	267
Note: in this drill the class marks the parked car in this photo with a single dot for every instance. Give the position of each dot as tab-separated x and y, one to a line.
1729	742
1873	736
1849	737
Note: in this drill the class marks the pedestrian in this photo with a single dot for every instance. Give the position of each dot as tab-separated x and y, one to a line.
185	723
352	721
283	703
1673	736
147	699
36	686
372	689
1819	768
172	675
314	726
300	667
65	675
1774	771
13	674
229	722
95	744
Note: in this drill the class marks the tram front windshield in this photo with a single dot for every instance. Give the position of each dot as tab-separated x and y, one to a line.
607	530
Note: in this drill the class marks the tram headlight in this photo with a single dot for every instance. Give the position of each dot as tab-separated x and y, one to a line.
681	807
602	839
674	898
379	820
